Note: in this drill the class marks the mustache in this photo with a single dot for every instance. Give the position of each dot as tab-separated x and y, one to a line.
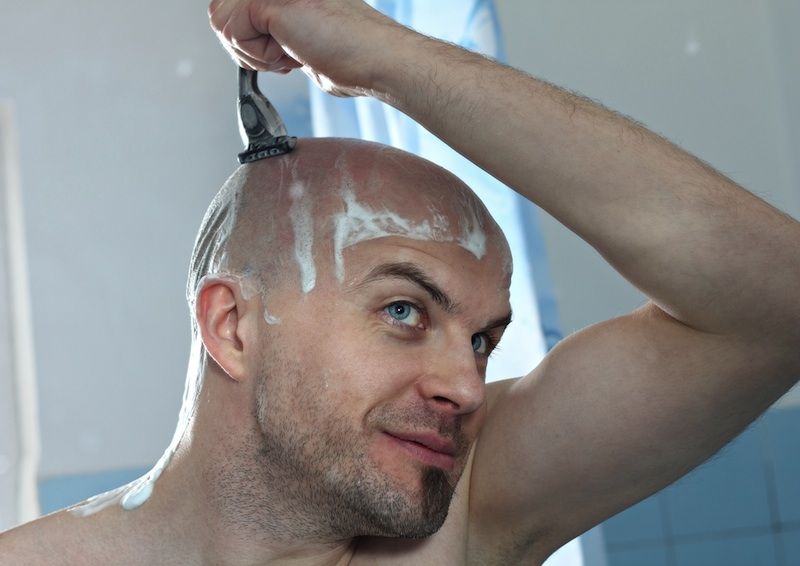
419	417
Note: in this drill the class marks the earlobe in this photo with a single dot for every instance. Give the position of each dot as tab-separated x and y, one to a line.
219	320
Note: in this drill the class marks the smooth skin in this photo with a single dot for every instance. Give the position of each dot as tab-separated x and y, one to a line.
621	409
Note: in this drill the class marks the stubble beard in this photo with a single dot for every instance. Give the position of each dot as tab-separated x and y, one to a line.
330	487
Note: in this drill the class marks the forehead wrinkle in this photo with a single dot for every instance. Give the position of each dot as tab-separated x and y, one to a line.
413	273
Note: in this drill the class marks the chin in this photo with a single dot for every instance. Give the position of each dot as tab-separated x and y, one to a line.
425	509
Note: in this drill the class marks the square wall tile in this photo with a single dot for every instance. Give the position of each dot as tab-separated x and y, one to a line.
728	492
789	542
642	522
755	550
64	491
648	555
783	432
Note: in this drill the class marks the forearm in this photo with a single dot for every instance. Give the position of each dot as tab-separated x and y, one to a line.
706	251
703	249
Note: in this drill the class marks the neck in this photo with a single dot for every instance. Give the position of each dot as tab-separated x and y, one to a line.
220	502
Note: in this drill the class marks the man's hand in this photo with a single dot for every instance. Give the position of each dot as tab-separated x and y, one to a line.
335	43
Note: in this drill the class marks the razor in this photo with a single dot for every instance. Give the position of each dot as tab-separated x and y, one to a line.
262	130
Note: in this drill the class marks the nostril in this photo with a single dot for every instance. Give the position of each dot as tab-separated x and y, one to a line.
445	400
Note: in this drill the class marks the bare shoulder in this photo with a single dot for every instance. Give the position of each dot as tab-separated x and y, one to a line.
495	391
571	443
496	541
38	542
62	539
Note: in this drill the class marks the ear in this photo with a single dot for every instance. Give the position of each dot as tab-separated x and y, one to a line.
219	319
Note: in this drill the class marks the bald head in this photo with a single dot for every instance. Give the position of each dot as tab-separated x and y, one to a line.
290	219
341	291
286	225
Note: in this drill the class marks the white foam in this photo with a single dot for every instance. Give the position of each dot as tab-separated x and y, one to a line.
247	285
303	228
473	240
134	494
360	222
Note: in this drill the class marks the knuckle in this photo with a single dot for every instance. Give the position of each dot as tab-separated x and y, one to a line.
215	15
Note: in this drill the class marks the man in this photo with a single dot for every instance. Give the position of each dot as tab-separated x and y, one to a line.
346	296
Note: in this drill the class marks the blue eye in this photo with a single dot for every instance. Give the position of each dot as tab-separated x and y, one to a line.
404	312
480	344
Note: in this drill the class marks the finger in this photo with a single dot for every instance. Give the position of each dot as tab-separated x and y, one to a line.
280	63
214	7
234	25
241	59
288	63
246	61
263	48
219	13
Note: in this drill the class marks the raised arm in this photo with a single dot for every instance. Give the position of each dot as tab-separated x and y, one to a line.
688	237
623	408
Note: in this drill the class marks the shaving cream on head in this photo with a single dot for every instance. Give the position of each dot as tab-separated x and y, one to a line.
359	223
303	228
473	238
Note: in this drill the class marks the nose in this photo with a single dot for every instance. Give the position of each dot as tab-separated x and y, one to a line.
452	382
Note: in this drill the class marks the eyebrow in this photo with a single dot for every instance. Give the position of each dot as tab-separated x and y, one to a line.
501	322
413	273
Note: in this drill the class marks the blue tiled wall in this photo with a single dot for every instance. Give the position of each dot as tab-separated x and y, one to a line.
789	548
740	508
741	550
784	445
727	493
63	491
645	555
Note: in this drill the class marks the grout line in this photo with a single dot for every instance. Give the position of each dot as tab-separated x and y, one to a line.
22	326
772	491
666	525
789	526
705	537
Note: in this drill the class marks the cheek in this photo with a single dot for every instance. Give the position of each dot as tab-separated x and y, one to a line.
342	356
365	374
358	376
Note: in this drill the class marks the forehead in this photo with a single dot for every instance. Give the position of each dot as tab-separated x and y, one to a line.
362	220
481	284
331	195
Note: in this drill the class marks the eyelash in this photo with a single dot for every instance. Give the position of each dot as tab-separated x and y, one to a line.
491	345
491	342
397	323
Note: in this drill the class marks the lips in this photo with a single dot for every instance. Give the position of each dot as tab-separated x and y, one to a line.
429	448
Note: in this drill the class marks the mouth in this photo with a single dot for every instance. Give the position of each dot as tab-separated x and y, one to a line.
427	448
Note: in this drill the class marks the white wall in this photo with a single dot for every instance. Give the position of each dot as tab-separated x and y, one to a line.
19	422
9	434
127	128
